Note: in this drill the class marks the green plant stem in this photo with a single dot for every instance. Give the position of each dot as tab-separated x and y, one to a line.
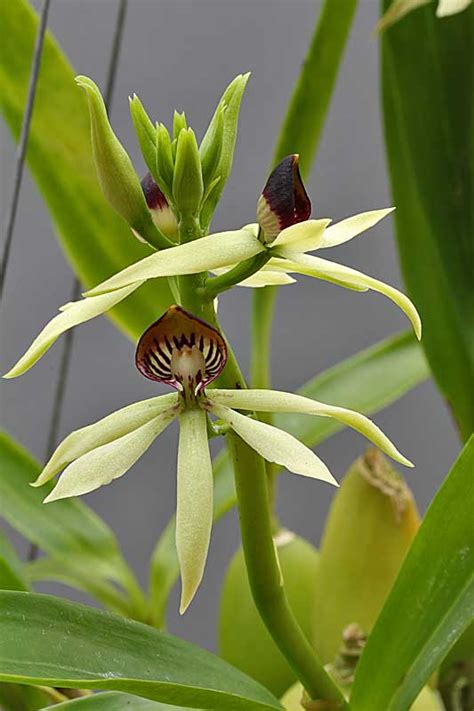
265	577
223	282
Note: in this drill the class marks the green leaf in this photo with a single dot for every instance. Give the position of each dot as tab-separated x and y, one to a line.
359	382
309	103
431	603
97	242
66	530
88	648
431	169
114	701
12	575
16	697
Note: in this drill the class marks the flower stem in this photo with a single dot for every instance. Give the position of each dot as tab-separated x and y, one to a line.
265	576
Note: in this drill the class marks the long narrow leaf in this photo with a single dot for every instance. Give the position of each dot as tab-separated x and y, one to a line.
360	383
97	242
87	648
114	701
64	530
310	100
431	168
12	574
431	603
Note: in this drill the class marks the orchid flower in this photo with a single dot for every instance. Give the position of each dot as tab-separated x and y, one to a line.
188	354
257	255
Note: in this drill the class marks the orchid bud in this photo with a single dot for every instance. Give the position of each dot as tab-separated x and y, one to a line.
164	160
115	171
210	149
162	215
229	105
179	123
145	132
188	187
240	627
371	524
284	200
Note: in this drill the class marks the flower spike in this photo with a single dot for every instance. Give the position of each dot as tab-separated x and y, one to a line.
181	350
284	200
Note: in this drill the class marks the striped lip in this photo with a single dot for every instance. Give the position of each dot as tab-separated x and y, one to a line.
181	350
284	200
161	213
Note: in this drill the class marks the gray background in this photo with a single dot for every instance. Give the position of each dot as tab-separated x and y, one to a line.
181	54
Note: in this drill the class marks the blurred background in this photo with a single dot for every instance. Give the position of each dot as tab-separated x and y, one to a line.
181	54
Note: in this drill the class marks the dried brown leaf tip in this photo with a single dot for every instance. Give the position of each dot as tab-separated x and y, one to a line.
284	200
181	350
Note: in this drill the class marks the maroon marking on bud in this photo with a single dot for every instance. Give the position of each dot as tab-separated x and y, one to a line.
181	350
153	195
284	200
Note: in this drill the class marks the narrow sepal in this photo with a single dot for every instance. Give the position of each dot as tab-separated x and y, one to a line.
351	279
72	314
194	501
345	230
274	444
214	251
277	401
102	465
302	236
106	430
117	177
284	200
181	350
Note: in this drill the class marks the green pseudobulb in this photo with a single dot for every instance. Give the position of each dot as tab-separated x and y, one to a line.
243	638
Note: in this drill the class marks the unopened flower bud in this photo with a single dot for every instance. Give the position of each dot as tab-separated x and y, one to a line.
179	123
210	149
145	132
164	161
284	200
161	213
115	171
188	188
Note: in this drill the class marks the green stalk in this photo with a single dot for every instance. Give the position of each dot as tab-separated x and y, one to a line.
265	577
216	285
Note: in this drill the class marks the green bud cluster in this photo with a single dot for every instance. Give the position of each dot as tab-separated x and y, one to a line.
190	177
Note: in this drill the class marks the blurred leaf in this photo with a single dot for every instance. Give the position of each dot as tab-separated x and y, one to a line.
114	701
17	697
88	648
359	382
84	547
12	575
97	242
431	603
313	89
428	109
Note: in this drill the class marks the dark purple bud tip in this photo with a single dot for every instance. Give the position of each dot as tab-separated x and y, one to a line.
181	350
284	200
161	213
153	195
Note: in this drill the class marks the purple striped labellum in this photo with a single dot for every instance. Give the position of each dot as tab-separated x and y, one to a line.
161	213
183	351
284	200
